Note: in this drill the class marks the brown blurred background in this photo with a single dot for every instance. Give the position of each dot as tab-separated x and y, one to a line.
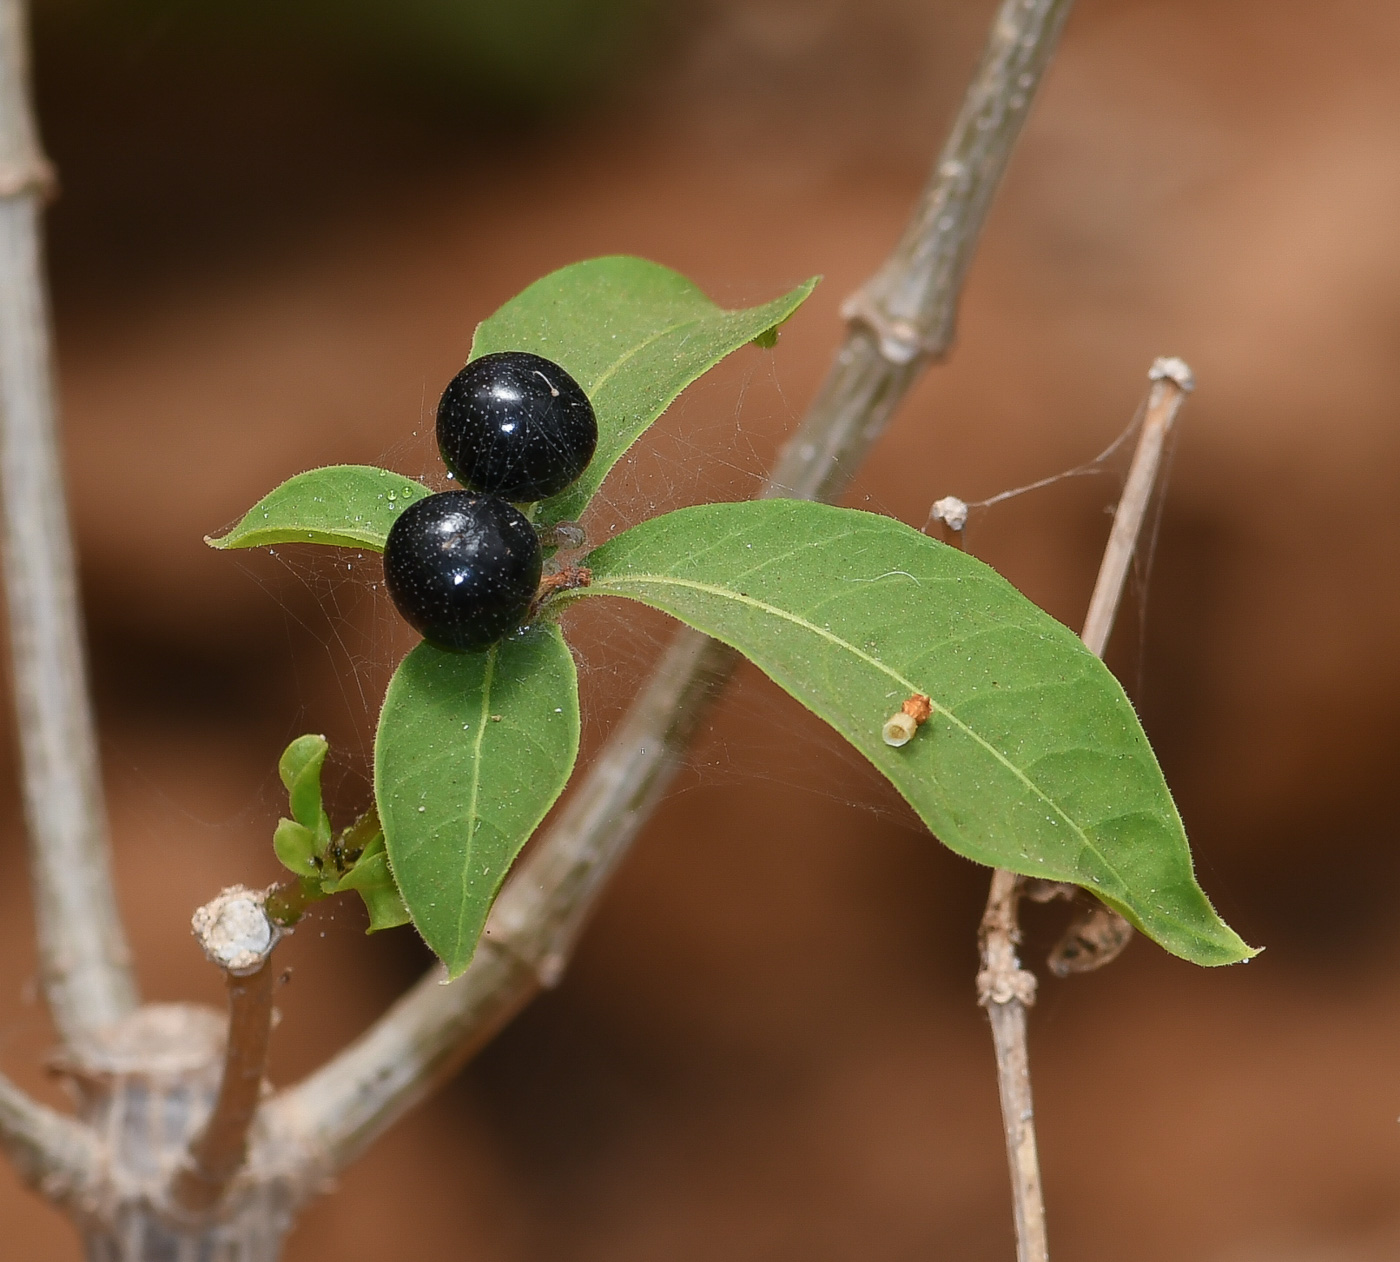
280	223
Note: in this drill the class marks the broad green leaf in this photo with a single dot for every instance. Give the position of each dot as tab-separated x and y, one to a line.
300	769
633	334
296	847
472	750
1033	758
372	880
350	505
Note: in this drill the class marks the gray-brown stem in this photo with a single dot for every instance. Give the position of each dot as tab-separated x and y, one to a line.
1004	988
220	1149
898	322
1171	382
59	1156
83	955
911	302
237	935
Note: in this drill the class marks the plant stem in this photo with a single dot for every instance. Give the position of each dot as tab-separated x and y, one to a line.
1171	383
1004	988
911	302
237	935
427	1035
898	322
218	1152
56	1154
83	954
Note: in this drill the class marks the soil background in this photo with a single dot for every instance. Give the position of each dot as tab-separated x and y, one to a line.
273	242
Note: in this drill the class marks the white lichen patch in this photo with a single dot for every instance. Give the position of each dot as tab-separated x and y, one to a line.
234	931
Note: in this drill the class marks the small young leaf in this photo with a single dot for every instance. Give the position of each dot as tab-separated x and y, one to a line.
300	769
296	847
633	334
472	750
300	754
1032	758
348	505
372	880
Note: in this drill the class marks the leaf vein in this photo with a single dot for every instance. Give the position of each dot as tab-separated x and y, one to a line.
475	793
664	580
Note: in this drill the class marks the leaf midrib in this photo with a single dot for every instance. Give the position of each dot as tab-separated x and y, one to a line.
327	538
664	580
611	371
472	815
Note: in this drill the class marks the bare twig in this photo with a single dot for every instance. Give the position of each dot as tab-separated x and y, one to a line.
83	954
1171	383
898	322
1004	988
911	302
58	1155
238	936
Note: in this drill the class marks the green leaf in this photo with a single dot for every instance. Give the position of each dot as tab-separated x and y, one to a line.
350	505
374	882
300	769
1033	758
472	750
633	334
296	847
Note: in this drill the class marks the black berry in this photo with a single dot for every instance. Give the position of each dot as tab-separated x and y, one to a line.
515	425
462	568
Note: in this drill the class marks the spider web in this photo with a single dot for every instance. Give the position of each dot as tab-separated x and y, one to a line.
1111	463
714	443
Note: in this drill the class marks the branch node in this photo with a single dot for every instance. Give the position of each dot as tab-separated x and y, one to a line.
900	340
1003	985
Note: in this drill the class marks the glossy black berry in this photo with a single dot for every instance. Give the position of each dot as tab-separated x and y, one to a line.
515	425
462	568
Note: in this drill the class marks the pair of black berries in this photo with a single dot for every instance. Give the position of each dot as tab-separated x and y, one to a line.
463	566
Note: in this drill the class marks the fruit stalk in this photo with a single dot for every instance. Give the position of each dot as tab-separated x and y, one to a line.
899	323
83	954
1004	988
